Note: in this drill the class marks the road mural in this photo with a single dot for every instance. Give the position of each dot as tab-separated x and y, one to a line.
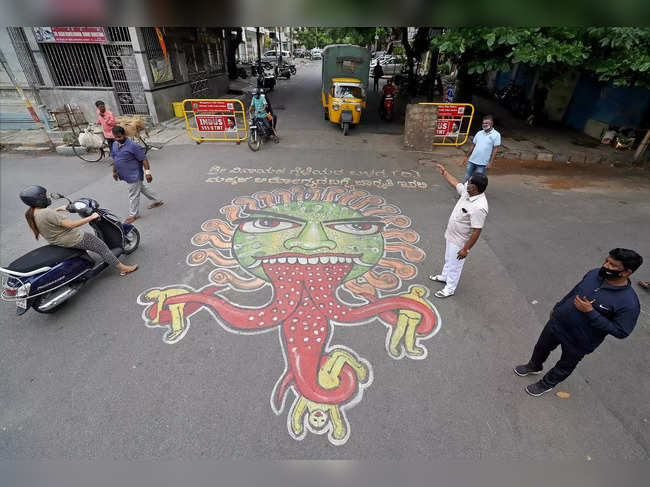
332	257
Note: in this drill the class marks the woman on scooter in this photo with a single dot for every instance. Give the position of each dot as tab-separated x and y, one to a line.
61	231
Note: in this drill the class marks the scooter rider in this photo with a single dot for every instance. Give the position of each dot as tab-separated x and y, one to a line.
61	231
388	89
260	109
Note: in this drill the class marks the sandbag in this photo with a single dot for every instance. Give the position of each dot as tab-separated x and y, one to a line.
132	125
90	140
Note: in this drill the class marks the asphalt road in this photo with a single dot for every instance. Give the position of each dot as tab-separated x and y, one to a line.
92	381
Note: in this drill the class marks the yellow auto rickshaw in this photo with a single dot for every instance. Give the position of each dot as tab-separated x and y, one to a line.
345	81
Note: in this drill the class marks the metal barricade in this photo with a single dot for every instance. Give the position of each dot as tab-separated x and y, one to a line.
453	123
215	120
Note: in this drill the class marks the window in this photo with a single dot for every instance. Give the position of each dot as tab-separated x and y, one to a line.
76	64
161	55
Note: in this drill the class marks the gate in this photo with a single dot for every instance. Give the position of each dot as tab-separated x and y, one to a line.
215	120
453	123
125	76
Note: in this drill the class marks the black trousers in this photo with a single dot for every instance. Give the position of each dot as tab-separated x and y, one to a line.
570	358
376	83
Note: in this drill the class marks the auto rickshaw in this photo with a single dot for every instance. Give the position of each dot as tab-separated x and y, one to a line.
345	81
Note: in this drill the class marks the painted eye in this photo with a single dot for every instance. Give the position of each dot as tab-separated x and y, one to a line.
356	228
265	225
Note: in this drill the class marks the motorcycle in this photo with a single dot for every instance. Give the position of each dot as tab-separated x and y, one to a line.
283	71
48	276
266	80
258	133
386	109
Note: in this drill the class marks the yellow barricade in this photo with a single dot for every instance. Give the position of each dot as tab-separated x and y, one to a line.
453	123
215	119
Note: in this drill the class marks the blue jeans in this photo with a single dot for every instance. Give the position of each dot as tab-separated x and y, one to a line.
471	168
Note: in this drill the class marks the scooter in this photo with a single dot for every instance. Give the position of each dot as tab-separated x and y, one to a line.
48	276
258	133
386	110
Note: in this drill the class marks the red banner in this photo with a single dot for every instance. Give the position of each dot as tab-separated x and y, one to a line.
94	35
215	123
213	106
451	110
447	127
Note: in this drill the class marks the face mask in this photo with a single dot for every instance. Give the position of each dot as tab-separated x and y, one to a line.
606	273
486	127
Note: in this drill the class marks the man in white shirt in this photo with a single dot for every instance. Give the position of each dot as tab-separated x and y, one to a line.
484	148
464	228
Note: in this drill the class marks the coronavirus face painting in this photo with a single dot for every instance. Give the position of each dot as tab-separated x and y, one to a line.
313	248
322	235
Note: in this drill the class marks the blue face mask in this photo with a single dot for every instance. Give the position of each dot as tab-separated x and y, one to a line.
486	127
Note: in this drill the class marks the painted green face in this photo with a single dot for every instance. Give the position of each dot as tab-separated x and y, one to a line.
303	231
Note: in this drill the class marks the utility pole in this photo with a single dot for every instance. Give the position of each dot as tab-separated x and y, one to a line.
259	51
29	106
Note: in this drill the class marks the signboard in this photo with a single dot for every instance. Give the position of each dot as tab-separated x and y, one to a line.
449	95
215	123
93	35
451	110
447	128
213	106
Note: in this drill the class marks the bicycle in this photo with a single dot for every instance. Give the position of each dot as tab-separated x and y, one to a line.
95	154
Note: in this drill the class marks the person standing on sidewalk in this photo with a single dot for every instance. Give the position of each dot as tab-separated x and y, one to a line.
484	148
106	119
377	73
131	165
464	228
602	304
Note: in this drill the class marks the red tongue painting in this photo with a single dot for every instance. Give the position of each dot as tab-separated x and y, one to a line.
306	330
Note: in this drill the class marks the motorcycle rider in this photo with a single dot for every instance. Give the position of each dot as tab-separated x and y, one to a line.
61	231
259	108
388	89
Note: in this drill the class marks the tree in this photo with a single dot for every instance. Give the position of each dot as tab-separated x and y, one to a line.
617	54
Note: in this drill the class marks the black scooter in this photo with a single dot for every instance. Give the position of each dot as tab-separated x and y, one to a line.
48	276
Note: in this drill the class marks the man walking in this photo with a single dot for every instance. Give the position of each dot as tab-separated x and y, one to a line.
377	73
464	228
129	161
107	120
484	148
602	304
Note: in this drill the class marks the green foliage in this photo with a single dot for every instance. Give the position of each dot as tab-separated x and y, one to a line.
618	54
320	37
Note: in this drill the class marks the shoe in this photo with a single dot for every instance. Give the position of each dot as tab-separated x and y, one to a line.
526	369
443	294
131	219
438	278
156	204
537	389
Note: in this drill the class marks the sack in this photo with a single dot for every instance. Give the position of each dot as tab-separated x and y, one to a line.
90	140
132	125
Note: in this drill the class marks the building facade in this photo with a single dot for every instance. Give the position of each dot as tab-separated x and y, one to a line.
134	70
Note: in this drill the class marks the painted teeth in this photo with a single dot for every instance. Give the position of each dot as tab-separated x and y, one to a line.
302	260
322	259
282	260
326	260
358	261
255	264
291	260
348	260
313	260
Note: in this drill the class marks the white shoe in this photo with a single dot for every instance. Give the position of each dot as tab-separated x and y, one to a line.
443	294
438	278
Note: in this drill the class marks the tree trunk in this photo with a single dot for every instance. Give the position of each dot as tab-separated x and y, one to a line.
409	59
464	90
232	44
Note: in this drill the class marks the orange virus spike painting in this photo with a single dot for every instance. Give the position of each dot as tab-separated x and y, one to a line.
331	258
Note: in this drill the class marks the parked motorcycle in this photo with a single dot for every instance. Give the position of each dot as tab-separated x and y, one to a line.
386	108
48	276
283	71
258	134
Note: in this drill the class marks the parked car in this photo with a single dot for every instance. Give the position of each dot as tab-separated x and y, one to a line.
390	64
272	57
378	54
316	53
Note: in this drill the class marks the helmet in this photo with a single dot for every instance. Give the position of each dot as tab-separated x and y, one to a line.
35	196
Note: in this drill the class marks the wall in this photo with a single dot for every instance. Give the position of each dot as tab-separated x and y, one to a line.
85	98
559	96
606	103
163	97
419	127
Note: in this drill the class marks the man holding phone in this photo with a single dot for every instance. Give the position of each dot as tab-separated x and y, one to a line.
464	228
602	304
